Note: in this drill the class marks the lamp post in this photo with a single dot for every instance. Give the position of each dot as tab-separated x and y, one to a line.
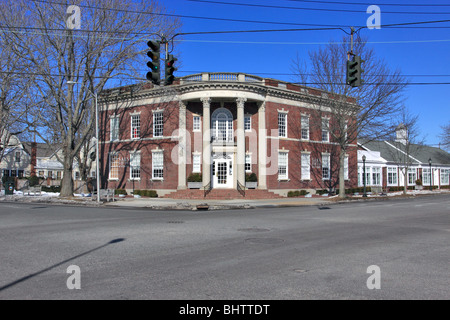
364	175
96	136
431	182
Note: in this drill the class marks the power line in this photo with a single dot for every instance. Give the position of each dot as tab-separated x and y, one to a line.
313	43
304	83
369	4
309	9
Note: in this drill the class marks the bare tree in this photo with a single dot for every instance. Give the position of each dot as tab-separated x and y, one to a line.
362	112
445	136
406	143
15	98
73	65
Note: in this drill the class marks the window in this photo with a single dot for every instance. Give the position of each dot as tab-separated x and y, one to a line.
248	122
222	125
305	128
157	165
5	173
196	161
306	165
325	166
18	156
282	117
135	166
196	123
113	166
158	124
426	176
77	175
445	173
50	174
13	173
325	130
282	165
392	176
135	126
376	176
58	175
248	163
346	168
20	173
412	176
114	127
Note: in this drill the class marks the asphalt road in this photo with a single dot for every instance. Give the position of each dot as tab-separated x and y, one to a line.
271	253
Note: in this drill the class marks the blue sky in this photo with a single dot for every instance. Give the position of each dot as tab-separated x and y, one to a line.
415	51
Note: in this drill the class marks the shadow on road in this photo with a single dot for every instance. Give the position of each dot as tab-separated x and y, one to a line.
9	285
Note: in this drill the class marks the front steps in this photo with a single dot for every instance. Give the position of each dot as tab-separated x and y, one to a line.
222	194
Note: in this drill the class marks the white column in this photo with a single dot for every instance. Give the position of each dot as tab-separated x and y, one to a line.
206	163
182	151
262	147
240	157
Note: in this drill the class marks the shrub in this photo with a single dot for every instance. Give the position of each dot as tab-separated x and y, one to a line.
251	177
146	193
120	191
51	189
418	182
297	193
33	181
195	177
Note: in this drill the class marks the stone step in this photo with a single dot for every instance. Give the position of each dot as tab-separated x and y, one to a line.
222	194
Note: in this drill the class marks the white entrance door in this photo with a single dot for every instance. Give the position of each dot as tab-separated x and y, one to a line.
222	171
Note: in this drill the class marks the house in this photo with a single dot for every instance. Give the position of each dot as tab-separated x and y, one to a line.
388	163
221	126
23	159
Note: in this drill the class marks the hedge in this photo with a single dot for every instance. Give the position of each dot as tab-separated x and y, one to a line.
297	193
146	193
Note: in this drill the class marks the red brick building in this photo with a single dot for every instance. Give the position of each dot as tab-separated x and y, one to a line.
223	127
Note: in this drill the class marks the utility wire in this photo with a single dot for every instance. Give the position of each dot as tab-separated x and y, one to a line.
309	9
310	83
369	4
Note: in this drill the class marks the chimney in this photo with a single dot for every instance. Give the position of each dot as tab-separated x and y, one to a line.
33	158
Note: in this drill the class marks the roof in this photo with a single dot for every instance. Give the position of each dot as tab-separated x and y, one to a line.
43	150
419	154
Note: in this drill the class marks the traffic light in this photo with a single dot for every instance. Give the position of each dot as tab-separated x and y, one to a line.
354	71
154	76
170	61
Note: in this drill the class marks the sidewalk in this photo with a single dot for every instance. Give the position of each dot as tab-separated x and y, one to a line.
186	204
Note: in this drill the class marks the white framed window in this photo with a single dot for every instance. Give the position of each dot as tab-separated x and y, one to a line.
325	166
157	165
306	166
305	128
135	126
114	128
376	176
196	125
325	130
158	124
114	162
222	125
426	176
346	168
283	165
412	176
392	176
248	162
445	173
17	156
282	124
196	162
135	165
248	122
